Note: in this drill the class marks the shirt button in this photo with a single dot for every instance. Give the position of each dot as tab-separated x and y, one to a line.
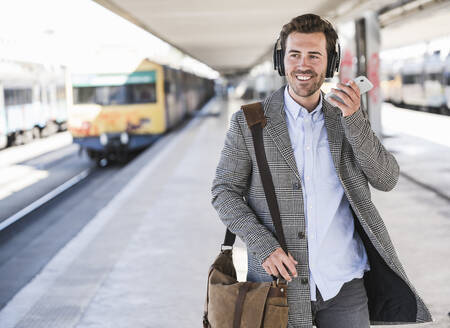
308	147
304	281
307	178
301	235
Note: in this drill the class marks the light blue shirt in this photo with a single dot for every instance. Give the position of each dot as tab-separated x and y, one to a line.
336	252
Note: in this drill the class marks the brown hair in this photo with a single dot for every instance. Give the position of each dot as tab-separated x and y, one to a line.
310	23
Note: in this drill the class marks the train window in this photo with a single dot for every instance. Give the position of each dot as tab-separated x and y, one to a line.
8	97
434	76
407	79
116	95
142	93
447	78
411	79
170	87
85	95
17	97
166	87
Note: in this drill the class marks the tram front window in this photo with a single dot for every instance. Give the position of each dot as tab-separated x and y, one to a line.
142	93
111	95
85	95
116	95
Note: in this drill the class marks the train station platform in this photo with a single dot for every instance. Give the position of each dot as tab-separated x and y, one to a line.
142	261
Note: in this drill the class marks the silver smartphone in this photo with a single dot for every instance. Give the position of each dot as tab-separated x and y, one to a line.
362	82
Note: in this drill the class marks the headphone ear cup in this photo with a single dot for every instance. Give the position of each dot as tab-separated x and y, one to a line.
334	61
338	59
281	61
278	64
331	64
275	57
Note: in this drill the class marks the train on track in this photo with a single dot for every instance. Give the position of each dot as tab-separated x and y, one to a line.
34	99
421	83
116	113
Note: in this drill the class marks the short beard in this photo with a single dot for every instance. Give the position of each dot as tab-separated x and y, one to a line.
301	92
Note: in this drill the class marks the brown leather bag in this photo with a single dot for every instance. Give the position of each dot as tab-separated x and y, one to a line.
233	304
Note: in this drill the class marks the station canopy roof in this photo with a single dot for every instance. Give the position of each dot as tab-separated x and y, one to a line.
232	36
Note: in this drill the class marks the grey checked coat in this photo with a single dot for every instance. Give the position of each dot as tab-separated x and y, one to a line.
359	158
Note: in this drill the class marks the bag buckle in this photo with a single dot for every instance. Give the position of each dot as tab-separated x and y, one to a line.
284	281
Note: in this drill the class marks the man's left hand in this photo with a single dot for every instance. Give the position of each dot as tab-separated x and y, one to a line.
350	96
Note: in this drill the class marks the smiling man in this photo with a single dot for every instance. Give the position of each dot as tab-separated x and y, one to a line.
305	64
342	268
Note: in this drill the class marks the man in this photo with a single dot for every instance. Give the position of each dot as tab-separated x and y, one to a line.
342	268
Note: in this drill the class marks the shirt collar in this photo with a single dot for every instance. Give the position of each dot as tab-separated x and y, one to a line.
295	109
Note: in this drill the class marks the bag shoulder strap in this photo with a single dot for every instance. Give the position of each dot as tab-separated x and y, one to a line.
254	114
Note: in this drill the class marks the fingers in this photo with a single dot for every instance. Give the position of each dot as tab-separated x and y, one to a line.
270	267
350	95
267	268
294	261
282	269
290	265
343	95
351	88
274	270
278	263
284	263
338	104
355	88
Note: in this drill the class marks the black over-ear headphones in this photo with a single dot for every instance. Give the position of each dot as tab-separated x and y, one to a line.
334	59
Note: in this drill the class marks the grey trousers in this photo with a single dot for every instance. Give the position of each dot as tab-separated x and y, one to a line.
348	309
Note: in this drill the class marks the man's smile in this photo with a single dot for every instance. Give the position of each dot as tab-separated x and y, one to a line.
303	77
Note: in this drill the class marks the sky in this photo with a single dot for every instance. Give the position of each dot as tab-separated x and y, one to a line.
82	35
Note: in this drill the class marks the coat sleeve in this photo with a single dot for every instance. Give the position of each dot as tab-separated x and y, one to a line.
228	189
379	165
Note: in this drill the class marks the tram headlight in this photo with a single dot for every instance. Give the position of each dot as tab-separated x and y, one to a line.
104	139
124	138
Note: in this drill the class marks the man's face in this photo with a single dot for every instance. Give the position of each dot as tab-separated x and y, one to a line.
305	62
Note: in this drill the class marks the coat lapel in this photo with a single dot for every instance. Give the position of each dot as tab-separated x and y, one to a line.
277	128
278	131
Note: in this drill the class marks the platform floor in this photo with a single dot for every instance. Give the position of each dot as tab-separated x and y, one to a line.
142	261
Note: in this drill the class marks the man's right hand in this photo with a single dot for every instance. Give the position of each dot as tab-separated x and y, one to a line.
277	263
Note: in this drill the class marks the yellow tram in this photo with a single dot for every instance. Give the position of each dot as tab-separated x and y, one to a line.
114	114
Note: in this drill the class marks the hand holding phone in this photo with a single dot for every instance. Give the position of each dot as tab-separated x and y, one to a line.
363	84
